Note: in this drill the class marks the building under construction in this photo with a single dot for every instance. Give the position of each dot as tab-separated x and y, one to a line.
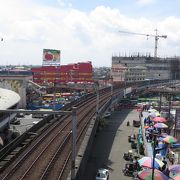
146	67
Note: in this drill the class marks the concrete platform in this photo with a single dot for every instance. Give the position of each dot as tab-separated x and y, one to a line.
110	144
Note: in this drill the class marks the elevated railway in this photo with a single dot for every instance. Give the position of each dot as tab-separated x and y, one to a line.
46	155
45	152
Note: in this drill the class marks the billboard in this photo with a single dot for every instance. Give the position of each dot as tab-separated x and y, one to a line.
51	56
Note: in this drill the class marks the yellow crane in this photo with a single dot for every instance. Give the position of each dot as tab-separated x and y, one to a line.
156	36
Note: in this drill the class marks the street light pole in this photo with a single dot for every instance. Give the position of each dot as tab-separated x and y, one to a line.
169	107
160	102
125	88
154	155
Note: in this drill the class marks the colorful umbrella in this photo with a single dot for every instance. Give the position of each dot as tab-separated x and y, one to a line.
148	162
152	110
176	176
145	127
147	175
174	168
158	114
160	125
159	119
170	139
152	114
164	134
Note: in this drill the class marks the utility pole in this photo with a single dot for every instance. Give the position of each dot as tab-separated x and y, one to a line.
54	98
97	98
74	135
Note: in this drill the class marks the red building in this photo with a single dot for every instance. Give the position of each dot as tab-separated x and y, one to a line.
80	72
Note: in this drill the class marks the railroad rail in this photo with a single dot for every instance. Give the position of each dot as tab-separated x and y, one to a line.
47	156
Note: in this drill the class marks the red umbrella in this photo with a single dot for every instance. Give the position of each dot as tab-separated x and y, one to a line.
176	176
159	119
148	162
160	125
147	175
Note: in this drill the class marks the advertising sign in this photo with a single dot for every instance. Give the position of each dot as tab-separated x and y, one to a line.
177	120
51	56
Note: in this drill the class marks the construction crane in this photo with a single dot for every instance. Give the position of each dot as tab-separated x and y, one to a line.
156	36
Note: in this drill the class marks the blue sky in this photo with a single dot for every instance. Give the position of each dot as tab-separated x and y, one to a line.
86	30
145	8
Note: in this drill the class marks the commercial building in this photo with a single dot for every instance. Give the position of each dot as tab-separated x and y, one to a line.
72	73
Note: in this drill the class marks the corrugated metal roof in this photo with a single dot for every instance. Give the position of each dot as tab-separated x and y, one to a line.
8	98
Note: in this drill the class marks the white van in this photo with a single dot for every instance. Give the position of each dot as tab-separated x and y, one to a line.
20	114
39	115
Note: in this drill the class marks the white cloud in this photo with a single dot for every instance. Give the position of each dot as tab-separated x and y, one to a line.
27	28
145	1
64	3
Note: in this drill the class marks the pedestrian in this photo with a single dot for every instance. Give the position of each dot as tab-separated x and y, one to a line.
141	114
165	163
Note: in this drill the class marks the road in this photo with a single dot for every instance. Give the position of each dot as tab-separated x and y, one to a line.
110	144
26	122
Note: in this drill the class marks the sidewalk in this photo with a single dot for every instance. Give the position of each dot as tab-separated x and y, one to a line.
110	144
147	145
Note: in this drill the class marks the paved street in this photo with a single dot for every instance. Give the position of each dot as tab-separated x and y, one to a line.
25	123
110	144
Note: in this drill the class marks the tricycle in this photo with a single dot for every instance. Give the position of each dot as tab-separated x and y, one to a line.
129	170
136	123
131	138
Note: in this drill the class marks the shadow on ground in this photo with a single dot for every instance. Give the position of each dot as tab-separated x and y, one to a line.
102	144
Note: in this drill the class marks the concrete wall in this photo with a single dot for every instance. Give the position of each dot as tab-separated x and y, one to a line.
86	145
17	84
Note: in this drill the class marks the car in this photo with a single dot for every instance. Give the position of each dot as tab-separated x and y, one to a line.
20	114
107	115
15	121
102	174
35	122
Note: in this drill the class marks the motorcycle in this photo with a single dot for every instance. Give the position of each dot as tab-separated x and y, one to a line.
128	170
128	156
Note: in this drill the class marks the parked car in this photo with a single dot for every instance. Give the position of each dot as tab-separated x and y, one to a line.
102	174
107	115
20	114
15	121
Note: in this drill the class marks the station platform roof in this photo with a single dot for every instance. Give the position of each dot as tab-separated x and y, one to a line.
8	98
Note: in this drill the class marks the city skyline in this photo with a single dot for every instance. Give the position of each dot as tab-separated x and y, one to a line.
86	31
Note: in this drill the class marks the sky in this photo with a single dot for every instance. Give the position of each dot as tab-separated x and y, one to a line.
93	30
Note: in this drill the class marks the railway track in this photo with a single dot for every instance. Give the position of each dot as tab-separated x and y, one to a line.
48	156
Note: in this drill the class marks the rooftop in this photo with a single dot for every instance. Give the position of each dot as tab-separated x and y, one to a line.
8	98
